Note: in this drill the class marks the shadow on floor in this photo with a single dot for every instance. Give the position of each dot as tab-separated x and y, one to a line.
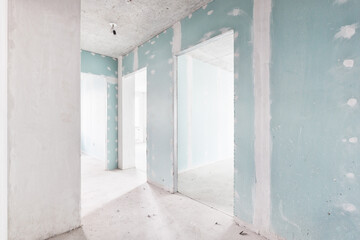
150	213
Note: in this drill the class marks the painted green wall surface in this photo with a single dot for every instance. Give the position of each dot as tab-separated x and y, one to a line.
108	67
157	55
315	127
98	64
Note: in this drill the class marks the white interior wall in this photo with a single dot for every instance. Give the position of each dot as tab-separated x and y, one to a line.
132	117
93	115
3	120
127	138
43	118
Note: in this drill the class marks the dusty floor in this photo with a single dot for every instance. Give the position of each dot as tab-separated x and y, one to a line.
212	184
145	212
99	187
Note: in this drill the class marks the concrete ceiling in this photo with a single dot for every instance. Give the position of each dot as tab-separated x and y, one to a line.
137	21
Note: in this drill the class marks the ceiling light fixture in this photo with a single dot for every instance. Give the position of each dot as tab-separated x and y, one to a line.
113	25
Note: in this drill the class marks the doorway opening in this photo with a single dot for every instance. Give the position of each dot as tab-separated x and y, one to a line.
205	123
101	179
134	120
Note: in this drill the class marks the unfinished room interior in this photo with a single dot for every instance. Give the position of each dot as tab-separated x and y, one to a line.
179	119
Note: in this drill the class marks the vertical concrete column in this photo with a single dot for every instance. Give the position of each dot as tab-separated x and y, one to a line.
43	118
3	119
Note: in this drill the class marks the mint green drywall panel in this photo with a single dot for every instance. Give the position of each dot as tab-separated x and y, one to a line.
315	119
156	54
98	64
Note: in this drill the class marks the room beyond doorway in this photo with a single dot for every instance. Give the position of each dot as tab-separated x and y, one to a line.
205	120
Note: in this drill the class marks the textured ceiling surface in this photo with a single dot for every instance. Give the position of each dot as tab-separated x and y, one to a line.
137	21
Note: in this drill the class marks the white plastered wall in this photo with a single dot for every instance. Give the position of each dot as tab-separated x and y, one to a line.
3	119
43	118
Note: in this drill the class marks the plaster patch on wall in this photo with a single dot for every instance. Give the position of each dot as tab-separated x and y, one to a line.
210	12
147	52
347	31
236	12
136	59
176	46
224	30
207	36
348	63
350	175
262	144
352	102
349	207
353	140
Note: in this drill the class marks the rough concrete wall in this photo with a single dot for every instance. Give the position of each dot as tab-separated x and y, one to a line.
44	118
315	127
107	68
3	120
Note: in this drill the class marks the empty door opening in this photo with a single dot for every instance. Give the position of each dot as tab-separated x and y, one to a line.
134	120
205	118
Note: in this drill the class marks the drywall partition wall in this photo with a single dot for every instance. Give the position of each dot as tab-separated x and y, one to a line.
43	118
205	113
101	70
3	120
158	56
315	69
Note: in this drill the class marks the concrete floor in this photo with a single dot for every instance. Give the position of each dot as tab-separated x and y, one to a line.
99	187
212	184
144	212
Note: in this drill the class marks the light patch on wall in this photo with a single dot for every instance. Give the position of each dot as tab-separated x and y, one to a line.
147	52
152	72
207	36
176	46
350	175
236	12
136	59
348	63
352	102
353	140
347	31
210	12
349	207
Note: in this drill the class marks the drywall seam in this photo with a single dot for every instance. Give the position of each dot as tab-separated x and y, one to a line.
3	120
136	60
262	144
176	48
176	45
120	114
